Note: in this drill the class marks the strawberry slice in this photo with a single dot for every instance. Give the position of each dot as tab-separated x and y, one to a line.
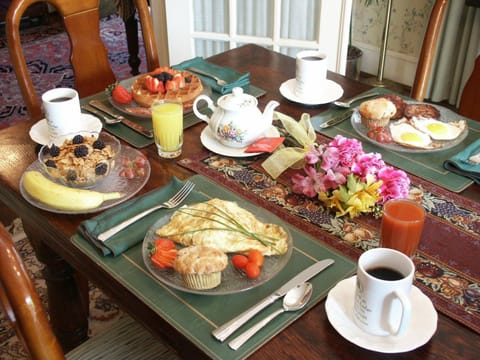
152	84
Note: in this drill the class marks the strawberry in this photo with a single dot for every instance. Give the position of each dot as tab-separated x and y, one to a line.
152	84
180	80
121	95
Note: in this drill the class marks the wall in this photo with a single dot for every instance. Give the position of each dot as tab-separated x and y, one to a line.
408	21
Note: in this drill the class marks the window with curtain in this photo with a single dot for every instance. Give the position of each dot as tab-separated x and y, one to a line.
286	26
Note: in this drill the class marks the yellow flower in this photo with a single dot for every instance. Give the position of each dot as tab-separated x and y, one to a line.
354	198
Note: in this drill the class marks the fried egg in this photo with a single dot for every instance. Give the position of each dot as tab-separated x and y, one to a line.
406	135
439	130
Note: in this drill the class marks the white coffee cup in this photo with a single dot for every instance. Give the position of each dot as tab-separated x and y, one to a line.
311	72
382	296
62	111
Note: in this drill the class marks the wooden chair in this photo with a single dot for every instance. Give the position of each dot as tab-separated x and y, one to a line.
88	57
470	100
125	339
424	67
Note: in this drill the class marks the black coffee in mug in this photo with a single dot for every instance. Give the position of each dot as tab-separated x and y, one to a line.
385	273
61	99
313	58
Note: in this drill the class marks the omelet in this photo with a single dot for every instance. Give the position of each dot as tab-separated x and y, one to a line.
225	226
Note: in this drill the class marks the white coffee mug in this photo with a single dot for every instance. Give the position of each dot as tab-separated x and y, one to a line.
311	72
382	296
62	111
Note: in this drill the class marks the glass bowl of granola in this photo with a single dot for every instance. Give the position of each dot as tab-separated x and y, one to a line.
81	159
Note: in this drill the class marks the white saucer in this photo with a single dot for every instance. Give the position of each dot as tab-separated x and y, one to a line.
211	143
422	326
39	131
331	91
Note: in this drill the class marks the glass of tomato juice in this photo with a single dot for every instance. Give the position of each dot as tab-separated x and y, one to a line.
167	119
402	225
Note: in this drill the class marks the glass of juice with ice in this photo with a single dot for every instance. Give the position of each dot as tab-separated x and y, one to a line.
167	119
402	225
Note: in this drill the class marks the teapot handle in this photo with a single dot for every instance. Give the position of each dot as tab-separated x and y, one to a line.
210	105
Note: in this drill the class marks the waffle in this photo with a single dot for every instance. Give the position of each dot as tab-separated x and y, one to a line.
187	94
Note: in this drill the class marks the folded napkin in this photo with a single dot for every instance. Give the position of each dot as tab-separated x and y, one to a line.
466	162
232	77
134	233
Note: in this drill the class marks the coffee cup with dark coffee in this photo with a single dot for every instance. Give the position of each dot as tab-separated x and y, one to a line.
62	111
311	73
382	296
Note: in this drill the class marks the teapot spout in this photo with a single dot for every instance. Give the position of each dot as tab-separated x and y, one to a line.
268	111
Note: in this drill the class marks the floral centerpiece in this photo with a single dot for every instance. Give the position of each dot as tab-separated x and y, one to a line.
349	180
342	176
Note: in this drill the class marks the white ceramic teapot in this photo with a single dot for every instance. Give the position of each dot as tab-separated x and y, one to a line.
236	120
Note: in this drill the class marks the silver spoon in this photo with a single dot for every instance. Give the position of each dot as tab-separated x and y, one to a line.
347	103
295	299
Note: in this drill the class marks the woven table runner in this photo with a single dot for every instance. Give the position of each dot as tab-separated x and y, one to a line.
447	266
428	166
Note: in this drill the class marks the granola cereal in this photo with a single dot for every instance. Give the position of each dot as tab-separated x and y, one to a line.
81	160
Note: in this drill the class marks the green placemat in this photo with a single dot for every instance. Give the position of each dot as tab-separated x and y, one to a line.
139	141
428	166
196	316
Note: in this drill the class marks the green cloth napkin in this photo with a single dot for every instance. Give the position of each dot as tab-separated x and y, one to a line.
232	77
459	163
134	233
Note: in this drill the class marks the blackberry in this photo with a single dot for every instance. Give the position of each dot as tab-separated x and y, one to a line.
54	150
101	169
188	79
81	151
98	144
71	175
50	163
77	139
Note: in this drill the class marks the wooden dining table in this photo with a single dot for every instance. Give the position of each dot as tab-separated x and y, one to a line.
68	269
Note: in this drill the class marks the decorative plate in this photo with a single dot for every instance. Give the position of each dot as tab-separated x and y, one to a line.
233	280
446	115
113	182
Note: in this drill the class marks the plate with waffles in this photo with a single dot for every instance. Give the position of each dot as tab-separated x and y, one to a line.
167	83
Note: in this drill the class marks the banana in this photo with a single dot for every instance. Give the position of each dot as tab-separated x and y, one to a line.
63	197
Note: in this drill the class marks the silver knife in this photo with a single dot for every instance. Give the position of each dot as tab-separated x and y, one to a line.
336	120
132	125
224	331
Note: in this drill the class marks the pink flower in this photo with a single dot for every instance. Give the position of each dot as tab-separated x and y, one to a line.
396	183
370	163
348	149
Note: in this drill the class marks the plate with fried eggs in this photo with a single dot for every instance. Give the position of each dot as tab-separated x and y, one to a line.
419	134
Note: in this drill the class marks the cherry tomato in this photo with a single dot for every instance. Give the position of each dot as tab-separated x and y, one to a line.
256	257
164	243
239	261
252	270
121	95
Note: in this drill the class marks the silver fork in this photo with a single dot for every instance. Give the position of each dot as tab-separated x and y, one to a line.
174	201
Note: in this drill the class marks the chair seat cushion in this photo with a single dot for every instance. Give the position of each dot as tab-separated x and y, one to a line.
125	339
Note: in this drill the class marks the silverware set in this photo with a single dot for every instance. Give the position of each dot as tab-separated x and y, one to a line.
297	297
100	110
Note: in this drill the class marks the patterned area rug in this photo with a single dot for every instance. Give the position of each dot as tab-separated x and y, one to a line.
47	52
102	310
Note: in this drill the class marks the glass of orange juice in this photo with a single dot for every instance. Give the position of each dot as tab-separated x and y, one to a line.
167	119
402	225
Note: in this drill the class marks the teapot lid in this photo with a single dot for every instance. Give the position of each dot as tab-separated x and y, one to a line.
237	100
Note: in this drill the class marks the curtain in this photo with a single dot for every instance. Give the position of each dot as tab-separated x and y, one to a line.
459	46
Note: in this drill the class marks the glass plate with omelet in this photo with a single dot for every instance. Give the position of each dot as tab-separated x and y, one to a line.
233	280
418	134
